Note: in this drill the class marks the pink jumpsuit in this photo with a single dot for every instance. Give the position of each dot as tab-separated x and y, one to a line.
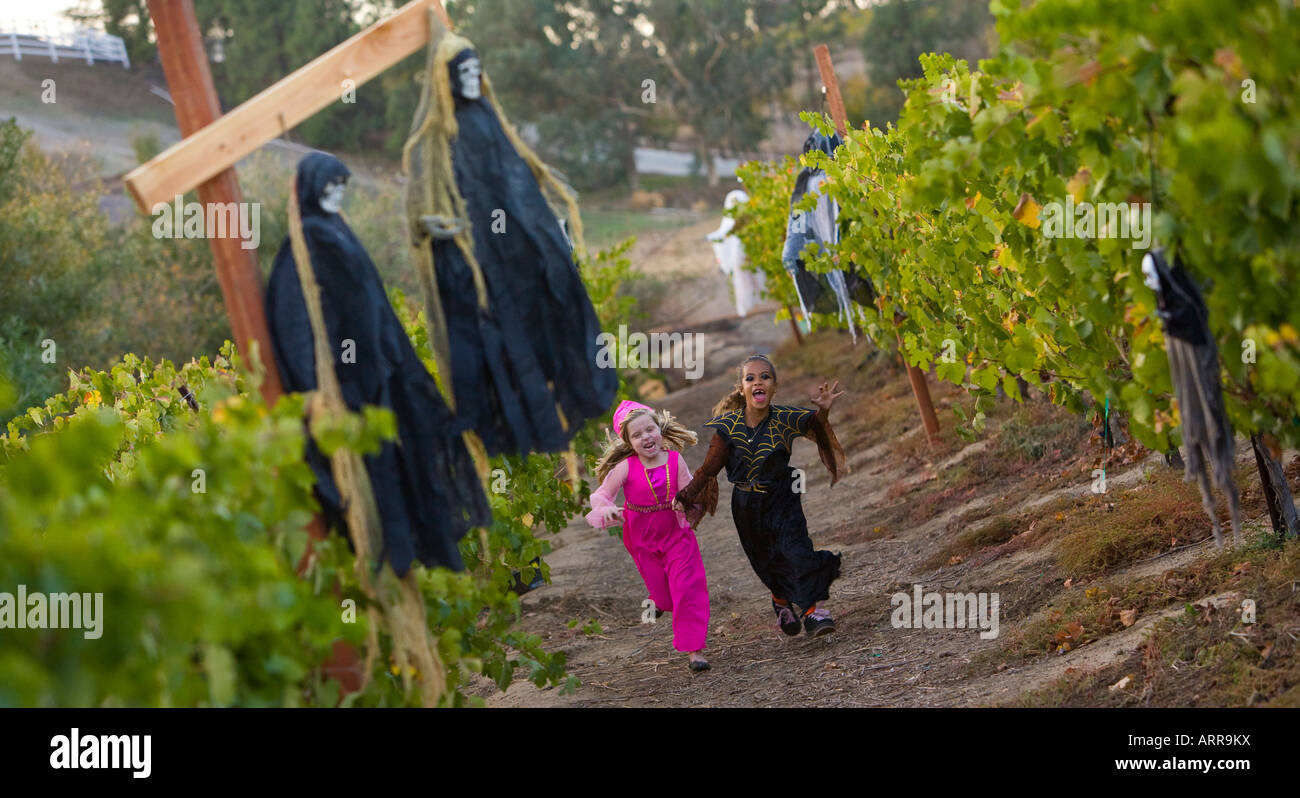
661	543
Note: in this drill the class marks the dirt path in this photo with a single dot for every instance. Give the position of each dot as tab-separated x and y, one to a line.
866	662
630	663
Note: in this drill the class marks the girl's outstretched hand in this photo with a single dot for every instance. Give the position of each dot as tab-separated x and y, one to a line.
826	395
613	515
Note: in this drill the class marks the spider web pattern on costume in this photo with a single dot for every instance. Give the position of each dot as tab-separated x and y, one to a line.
782	428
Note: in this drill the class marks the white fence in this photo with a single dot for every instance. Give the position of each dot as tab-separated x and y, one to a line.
57	41
680	164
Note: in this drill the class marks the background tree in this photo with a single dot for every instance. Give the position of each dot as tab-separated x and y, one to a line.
126	18
717	64
901	30
571	73
259	43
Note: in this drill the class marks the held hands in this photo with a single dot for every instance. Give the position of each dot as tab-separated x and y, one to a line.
826	395
612	516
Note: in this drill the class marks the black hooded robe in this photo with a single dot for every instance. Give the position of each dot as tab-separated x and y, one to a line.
537	348
425	483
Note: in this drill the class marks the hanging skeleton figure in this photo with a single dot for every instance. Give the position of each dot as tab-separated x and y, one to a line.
1194	370
746	285
836	290
425	488
512	327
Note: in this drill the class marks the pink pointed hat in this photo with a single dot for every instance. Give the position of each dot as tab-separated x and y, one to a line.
625	408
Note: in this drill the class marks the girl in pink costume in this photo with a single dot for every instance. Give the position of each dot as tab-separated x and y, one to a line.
643	461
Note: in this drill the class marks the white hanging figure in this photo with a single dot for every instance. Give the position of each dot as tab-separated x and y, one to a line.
746	285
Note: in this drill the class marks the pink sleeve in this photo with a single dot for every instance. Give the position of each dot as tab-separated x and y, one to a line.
684	479
604	496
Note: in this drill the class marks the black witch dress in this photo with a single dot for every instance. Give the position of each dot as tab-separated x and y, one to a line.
535	349
764	504
425	484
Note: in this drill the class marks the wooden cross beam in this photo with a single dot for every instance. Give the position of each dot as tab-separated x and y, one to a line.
836	102
213	143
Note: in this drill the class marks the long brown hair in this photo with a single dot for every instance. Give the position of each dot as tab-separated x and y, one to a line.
618	448
736	399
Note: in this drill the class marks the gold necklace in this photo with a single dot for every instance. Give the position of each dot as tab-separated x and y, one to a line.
668	481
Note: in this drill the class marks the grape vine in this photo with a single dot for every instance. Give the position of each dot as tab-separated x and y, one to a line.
1186	110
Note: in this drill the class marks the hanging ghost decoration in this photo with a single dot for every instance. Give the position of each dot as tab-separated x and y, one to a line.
836	290
747	285
1194	369
426	490
512	326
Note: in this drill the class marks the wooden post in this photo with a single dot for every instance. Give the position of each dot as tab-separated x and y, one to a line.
794	325
185	64
833	97
194	97
836	102
1277	493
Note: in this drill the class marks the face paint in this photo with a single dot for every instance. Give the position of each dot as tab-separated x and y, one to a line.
469	71
331	200
758	384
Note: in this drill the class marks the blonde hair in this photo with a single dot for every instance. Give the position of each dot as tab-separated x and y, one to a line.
618	448
736	399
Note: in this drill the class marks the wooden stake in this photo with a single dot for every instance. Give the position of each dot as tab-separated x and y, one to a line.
219	146
836	102
798	336
185	64
833	98
1277	493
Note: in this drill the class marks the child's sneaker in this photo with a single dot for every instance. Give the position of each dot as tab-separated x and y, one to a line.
818	622
785	616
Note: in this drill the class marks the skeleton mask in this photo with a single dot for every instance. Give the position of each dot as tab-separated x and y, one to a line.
469	71
331	200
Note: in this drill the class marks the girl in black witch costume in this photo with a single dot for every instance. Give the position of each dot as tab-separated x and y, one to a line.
753	442
510	319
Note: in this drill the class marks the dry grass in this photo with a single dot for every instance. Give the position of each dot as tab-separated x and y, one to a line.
1201	656
1032	450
